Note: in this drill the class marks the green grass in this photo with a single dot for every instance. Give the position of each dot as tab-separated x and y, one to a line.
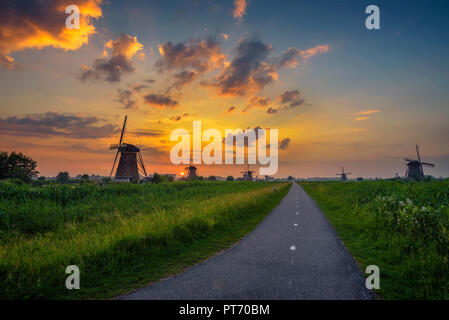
120	236
402	227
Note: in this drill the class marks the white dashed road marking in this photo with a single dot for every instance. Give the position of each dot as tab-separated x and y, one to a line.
292	248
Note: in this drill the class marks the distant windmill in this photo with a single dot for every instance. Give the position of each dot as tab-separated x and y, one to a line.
131	161
343	174
414	167
192	171
247	174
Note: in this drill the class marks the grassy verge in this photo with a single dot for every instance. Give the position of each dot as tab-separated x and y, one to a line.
121	237
402	227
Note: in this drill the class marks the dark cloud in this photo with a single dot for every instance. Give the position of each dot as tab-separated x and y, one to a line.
183	78
140	87
178	118
284	144
148	133
38	24
199	55
160	100
125	99
230	110
57	124
112	68
252	69
150	81
290	100
247	72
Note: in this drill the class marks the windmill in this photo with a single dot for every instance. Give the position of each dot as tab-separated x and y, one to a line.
414	167
131	161
343	174
247	174
192	171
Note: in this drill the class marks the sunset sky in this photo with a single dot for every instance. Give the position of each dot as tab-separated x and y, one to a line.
339	94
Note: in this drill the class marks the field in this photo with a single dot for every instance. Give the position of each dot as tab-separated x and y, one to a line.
121	236
402	227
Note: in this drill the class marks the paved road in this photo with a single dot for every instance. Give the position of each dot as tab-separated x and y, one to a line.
293	254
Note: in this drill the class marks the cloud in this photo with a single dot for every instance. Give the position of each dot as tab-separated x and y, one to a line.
39	24
7	62
284	144
359	130
368	112
292	57
239	9
251	68
247	73
147	133
160	100
139	87
183	78
199	55
290	100
57	124
230	110
124	97
150	80
112	68
179	118
257	102
361	118
225	36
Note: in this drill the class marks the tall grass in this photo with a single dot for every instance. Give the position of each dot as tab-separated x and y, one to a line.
120	236
400	226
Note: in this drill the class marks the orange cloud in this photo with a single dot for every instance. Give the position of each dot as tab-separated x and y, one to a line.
26	25
111	69
368	112
361	118
239	9
359	130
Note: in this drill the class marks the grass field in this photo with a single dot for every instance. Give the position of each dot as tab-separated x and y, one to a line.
121	236
402	227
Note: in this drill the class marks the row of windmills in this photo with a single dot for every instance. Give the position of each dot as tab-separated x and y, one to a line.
131	166
414	168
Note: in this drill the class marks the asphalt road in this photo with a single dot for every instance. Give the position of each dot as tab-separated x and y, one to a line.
293	254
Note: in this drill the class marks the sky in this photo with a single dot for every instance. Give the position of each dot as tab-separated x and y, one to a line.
338	93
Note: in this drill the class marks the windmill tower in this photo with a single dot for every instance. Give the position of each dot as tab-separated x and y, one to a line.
414	167
343	174
192	171
131	161
247	174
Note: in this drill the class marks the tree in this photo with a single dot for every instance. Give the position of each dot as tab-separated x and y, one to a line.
85	177
290	178
156	178
17	166
62	177
230	178
212	178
